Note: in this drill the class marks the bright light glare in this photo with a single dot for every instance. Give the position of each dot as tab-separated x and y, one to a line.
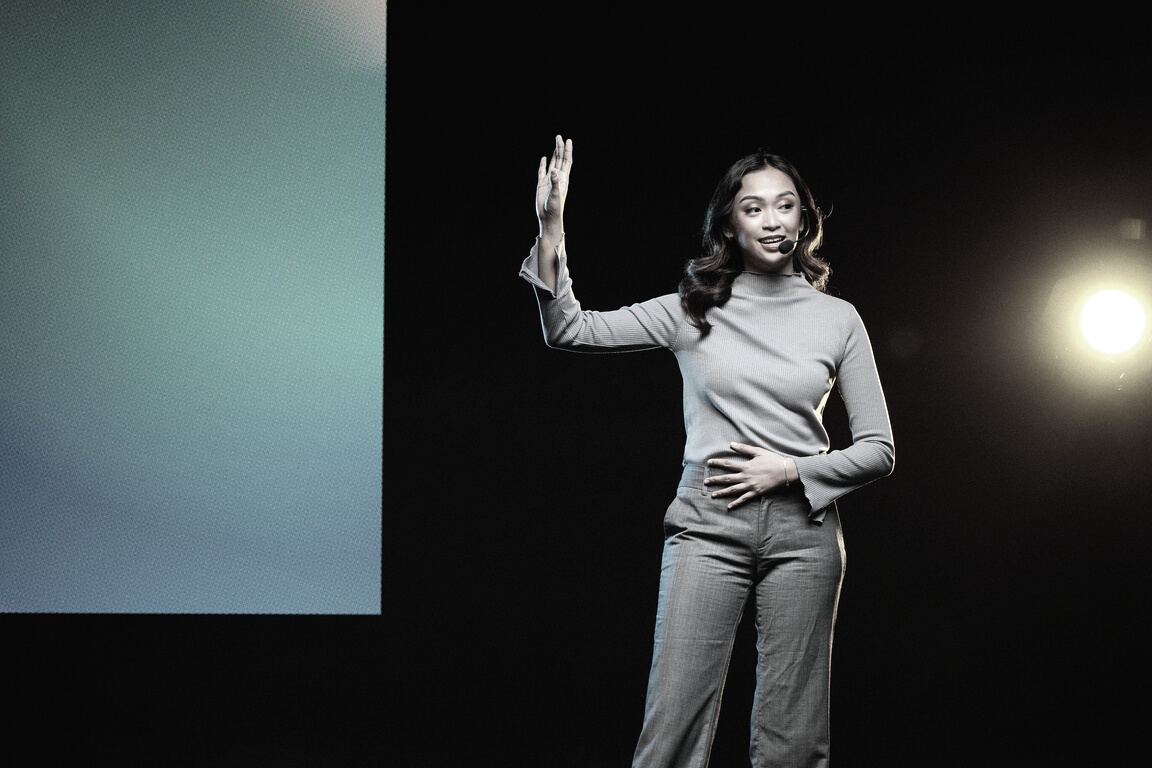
1112	321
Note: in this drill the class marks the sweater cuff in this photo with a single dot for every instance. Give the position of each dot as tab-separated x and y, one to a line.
818	497
530	269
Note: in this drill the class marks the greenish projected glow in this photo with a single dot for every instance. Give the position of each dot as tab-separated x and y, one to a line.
1112	321
191	307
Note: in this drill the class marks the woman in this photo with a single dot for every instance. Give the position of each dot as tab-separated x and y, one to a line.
754	521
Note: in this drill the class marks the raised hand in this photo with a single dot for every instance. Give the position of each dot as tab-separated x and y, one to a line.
552	188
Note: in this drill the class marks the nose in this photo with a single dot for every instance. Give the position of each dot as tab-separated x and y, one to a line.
770	220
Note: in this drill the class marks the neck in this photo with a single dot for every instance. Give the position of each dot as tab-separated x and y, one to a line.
770	283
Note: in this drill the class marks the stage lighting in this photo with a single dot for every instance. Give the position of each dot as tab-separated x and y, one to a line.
1112	321
1097	316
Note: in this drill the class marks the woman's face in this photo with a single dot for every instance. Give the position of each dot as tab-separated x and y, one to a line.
765	212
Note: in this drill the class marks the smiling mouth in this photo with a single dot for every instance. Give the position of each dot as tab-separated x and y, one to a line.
773	240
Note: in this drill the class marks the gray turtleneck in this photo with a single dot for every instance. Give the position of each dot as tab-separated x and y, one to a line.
761	376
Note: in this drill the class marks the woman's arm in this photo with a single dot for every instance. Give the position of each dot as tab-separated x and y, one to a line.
654	323
551	191
828	476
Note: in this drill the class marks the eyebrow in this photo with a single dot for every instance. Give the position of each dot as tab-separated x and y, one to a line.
785	193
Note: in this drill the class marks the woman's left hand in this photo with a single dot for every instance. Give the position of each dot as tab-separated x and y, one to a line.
764	472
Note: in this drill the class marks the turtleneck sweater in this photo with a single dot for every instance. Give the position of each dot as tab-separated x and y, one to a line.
761	376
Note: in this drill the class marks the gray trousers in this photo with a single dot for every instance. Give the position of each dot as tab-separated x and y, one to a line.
765	553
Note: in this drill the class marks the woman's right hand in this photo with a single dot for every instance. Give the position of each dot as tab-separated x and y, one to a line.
552	188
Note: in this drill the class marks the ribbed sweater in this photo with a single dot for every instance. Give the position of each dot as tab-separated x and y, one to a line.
761	376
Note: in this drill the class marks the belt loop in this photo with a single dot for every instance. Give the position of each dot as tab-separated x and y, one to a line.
694	476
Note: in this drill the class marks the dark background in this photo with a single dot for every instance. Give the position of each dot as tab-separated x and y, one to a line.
995	599
994	606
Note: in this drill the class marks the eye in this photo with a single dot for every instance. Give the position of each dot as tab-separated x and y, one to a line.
786	206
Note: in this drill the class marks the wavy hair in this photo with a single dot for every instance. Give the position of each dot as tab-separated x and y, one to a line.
708	279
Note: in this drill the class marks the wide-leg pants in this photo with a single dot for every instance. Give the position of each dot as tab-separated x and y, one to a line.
766	553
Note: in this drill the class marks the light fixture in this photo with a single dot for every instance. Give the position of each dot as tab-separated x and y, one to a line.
1112	321
1097	317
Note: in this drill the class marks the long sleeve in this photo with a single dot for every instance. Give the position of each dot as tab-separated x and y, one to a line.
828	476
760	376
647	325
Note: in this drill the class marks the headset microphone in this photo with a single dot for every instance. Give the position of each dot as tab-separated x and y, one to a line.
787	246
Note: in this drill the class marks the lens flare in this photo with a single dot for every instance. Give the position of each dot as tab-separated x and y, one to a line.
1112	321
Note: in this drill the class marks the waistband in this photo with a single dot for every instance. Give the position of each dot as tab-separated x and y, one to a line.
694	475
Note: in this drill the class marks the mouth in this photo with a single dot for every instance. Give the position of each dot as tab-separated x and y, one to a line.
771	240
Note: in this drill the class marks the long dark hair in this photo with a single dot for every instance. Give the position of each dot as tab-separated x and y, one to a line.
708	279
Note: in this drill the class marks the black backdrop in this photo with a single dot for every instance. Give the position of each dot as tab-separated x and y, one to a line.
995	597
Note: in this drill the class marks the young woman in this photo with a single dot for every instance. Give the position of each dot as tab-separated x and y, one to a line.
754	522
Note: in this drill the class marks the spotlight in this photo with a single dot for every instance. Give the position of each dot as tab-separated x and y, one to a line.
1097	317
1112	321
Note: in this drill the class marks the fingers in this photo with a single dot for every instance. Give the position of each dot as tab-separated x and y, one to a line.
750	450
554	160
748	494
748	491
727	463
541	185
541	180
731	490
724	480
566	159
561	160
746	497
737	485
552	181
